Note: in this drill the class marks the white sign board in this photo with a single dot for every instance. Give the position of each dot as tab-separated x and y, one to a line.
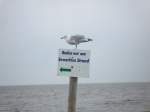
73	62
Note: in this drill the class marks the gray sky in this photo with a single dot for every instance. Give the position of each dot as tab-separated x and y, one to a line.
30	32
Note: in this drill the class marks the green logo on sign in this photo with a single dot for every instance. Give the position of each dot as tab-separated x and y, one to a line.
65	69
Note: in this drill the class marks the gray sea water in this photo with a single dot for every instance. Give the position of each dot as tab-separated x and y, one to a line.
127	97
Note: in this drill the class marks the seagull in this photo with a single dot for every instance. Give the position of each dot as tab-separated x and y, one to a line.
76	39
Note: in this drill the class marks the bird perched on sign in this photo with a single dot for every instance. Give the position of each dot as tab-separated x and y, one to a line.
75	39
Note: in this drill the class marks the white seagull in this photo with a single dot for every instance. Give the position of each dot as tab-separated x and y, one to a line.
76	39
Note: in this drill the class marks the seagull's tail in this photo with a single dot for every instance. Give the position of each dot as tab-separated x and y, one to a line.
90	39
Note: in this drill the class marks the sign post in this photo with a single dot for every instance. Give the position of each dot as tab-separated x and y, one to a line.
73	63
72	94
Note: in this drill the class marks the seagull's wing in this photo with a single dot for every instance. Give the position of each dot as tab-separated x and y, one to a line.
72	42
85	40
77	37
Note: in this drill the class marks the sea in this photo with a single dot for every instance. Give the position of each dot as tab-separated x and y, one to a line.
111	97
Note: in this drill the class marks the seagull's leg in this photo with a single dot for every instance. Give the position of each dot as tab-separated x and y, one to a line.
76	46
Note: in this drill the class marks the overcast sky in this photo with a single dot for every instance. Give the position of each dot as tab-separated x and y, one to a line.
30	32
